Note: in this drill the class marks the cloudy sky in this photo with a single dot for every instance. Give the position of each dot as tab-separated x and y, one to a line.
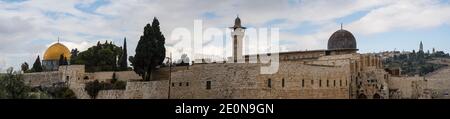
28	27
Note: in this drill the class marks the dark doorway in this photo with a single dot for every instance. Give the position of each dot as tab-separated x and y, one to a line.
362	96
376	96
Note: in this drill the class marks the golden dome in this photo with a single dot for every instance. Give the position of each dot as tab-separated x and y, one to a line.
54	52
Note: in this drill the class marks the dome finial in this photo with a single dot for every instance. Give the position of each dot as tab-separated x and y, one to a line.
58	39
341	26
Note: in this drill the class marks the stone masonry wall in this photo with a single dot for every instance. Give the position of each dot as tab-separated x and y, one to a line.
110	94
45	79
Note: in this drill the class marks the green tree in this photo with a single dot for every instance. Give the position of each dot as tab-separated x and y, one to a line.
60	93
12	86
37	67
74	55
150	51
123	62
102	57
93	88
65	62
114	78
24	67
61	59
68	94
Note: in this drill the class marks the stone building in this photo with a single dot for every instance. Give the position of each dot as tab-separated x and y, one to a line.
339	72
53	55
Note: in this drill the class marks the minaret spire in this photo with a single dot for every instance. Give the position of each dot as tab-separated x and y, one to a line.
421	46
237	37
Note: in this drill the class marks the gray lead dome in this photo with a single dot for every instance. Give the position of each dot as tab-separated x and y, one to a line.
341	39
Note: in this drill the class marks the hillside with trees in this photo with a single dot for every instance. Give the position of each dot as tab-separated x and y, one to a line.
416	63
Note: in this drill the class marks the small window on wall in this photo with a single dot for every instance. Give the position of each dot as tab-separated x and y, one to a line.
328	83
173	84
282	82
180	84
320	83
303	83
340	82
208	85
312	82
334	83
346	83
187	83
269	83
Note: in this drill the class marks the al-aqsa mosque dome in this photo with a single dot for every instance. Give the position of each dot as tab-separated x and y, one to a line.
53	54
342	39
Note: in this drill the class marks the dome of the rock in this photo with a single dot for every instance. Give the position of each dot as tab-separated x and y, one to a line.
55	51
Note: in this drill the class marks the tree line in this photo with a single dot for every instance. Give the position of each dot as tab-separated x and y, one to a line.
150	53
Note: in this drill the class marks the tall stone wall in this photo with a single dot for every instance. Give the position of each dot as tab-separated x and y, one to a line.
314	76
407	87
147	90
44	79
110	94
78	88
107	76
438	88
293	80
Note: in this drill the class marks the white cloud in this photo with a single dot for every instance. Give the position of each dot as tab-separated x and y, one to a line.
414	14
28	27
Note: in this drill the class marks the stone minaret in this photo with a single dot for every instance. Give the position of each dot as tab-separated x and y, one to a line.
421	46
237	34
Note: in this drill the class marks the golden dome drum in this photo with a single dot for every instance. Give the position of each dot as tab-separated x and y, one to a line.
55	51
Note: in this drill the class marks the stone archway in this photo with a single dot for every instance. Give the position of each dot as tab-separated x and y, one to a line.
376	96
362	96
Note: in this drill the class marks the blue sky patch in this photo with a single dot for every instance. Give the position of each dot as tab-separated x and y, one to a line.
209	15
91	8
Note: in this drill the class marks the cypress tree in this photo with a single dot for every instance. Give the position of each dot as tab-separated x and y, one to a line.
123	58
37	67
150	51
61	60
